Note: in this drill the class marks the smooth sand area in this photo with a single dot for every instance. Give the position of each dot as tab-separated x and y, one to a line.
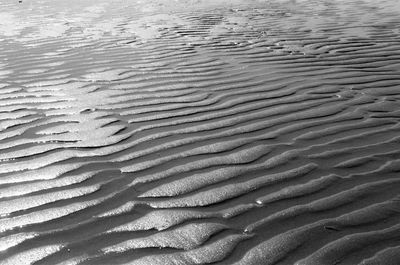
189	132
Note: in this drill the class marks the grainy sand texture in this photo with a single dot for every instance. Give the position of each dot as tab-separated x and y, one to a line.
182	132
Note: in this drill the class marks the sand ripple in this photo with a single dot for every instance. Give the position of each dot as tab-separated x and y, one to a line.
200	132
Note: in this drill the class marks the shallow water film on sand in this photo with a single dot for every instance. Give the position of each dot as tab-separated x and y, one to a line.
199	132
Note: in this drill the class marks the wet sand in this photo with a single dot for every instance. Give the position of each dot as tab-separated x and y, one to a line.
199	132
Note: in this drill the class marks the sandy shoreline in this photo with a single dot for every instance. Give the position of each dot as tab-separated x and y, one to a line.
199	132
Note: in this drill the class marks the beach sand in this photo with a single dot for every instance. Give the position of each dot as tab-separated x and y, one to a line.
199	132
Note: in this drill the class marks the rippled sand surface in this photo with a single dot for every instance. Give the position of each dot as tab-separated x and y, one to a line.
199	132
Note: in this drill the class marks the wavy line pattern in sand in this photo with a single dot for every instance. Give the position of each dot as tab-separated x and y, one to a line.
263	132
